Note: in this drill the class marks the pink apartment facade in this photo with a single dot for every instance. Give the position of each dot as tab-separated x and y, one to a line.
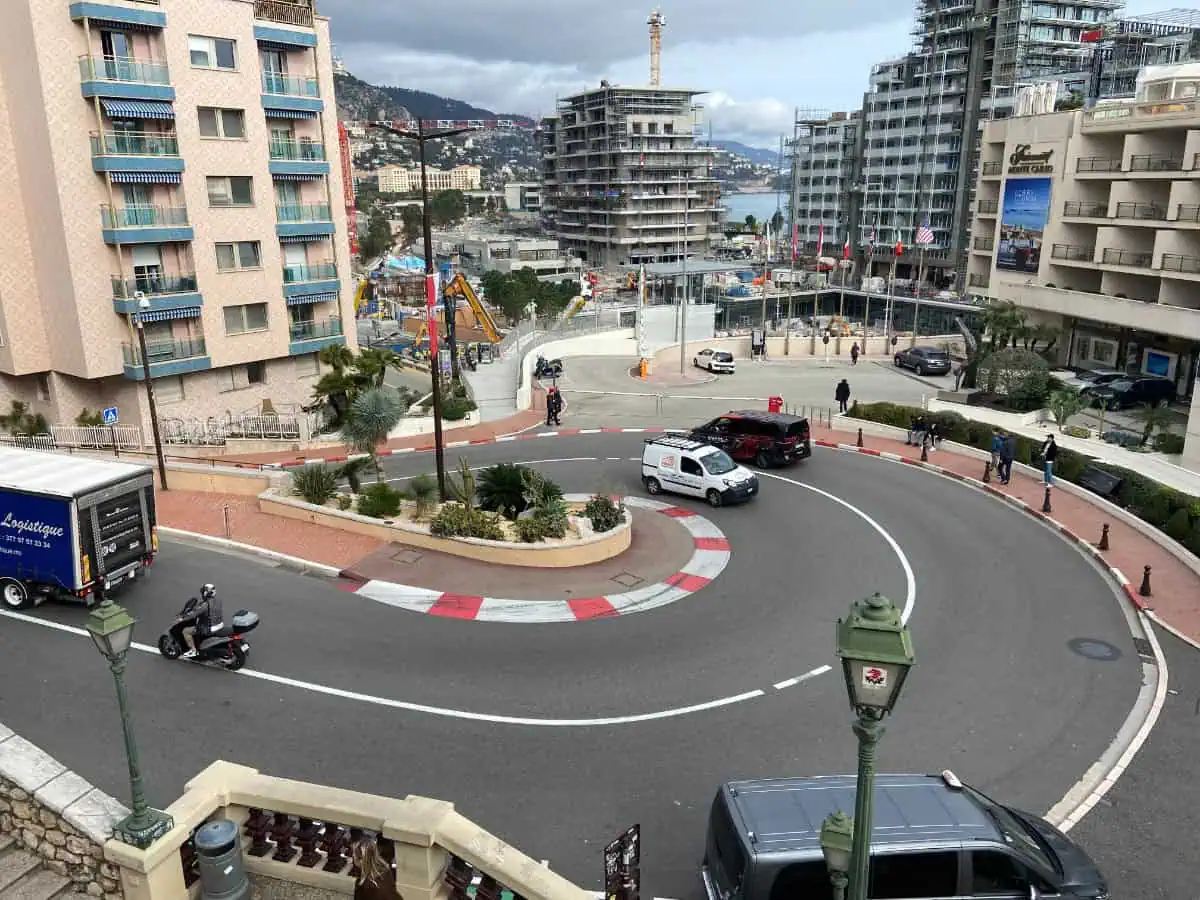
173	161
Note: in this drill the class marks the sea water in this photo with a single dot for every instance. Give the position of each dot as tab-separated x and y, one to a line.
761	206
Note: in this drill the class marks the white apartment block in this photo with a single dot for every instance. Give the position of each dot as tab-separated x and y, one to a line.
825	172
405	179
169	163
1090	220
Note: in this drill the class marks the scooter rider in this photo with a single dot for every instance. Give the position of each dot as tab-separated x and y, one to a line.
209	619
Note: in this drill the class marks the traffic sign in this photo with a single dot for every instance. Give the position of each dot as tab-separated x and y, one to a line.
110	416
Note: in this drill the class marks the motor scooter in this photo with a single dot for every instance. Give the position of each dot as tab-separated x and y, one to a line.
226	647
547	368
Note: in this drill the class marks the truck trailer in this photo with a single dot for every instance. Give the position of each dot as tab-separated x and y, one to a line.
71	526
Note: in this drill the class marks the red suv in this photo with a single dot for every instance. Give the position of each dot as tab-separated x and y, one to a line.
767	438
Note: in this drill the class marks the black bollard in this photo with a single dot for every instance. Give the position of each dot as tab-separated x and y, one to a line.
1144	590
1103	545
924	451
860	440
987	472
1046	508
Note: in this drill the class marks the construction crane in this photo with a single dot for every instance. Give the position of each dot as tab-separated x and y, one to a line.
657	22
348	188
458	286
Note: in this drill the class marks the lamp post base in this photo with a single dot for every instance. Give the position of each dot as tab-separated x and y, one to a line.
143	829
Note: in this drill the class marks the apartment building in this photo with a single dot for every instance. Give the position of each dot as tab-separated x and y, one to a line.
167	166
481	253
1090	220
405	179
523	196
826	169
623	181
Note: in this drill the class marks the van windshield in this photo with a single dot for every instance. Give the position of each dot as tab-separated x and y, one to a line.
718	463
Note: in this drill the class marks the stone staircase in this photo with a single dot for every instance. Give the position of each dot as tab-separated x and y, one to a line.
24	877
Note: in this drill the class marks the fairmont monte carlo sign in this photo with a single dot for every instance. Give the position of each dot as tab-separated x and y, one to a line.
1022	162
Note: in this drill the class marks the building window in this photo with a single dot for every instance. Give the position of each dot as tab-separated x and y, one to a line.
212	53
168	389
308	365
248	317
230	190
238	255
43	388
221	123
256	372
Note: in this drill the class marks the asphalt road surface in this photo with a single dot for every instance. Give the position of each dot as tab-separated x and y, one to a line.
999	695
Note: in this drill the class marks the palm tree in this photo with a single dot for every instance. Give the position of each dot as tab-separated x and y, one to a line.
1153	418
374	363
338	357
369	420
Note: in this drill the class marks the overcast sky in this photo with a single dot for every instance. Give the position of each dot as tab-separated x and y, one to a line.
758	61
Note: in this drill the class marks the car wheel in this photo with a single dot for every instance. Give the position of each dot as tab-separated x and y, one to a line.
920	370
1163	404
14	594
652	486
762	459
896	362
714	498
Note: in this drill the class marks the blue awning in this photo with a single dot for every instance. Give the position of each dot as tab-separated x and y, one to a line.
145	177
289	114
293	176
163	315
138	109
305	299
304	238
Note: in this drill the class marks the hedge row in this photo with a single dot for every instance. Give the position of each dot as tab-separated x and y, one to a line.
1170	511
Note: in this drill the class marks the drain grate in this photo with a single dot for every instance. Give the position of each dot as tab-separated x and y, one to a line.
628	580
408	557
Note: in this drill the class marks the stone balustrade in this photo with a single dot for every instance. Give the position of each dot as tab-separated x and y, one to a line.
297	839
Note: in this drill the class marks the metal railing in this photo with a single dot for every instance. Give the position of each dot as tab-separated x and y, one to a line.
983	243
124	69
974	279
142	216
124	437
304	151
1187	212
126	288
1155	162
1097	164
987	207
164	351
286	12
1175	262
1129	210
315	272
1076	252
290	85
1134	258
319	328
303	212
1086	208
134	143
992	168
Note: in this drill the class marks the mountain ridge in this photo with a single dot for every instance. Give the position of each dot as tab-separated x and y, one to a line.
358	100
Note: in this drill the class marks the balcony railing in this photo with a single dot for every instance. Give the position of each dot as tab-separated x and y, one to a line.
1187	212
1097	164
987	207
1087	208
1155	162
1075	252
290	85
321	328
1141	211
143	216
315	272
305	151
123	68
1174	262
982	243
134	143
1134	258
974	279
303	212
993	168
286	12
164	351
150	285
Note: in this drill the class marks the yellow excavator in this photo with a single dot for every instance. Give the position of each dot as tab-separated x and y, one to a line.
460	287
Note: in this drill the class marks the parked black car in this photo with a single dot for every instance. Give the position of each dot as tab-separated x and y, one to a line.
923	360
1125	393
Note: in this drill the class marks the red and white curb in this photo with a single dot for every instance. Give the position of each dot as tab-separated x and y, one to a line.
709	558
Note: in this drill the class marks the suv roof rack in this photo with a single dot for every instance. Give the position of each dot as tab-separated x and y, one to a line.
678	442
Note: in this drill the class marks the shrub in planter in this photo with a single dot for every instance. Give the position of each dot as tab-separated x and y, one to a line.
344	502
530	530
510	489
455	409
423	492
1179	526
603	513
316	483
551	516
456	520
379	501
1078	431
1168	443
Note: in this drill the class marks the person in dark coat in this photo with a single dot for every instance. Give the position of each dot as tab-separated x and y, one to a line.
554	404
854	354
1007	454
842	394
916	431
375	879
1049	455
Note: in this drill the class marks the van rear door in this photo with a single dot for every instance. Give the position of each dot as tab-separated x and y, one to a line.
726	860
116	526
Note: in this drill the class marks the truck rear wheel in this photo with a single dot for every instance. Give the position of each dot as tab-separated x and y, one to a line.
14	594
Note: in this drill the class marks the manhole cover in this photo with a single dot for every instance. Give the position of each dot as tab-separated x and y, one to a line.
1090	648
627	579
408	557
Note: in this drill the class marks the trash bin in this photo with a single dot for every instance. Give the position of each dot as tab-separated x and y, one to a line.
774	404
219	854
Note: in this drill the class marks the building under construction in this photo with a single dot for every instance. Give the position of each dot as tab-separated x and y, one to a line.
623	180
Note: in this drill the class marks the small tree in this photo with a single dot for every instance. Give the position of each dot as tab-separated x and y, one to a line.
1064	405
423	492
1153	418
1021	375
369	421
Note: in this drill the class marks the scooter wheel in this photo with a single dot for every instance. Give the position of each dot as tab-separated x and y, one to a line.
168	648
237	660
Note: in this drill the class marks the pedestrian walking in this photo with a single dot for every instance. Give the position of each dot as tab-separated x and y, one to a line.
997	446
854	351
375	879
1008	453
916	431
842	394
932	437
1049	455
554	404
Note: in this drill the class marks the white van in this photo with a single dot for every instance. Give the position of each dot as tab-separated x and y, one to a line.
681	465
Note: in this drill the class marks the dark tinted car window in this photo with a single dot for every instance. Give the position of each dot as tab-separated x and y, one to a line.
997	873
800	881
689	467
906	876
797	429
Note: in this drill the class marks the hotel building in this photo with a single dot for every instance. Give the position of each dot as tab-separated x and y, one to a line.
168	162
1090	220
404	179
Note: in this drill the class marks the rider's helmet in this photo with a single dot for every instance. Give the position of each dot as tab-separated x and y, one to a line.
208	591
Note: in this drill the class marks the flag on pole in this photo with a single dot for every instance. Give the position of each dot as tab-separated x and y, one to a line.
899	248
820	238
795	241
846	248
924	236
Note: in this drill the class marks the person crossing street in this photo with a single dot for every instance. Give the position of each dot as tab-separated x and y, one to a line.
554	404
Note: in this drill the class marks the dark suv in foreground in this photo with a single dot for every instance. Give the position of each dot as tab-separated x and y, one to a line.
923	360
766	438
933	838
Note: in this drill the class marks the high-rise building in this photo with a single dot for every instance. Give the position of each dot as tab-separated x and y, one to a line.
826	162
168	165
623	181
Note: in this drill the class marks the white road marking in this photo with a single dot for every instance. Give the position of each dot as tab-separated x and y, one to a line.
792	682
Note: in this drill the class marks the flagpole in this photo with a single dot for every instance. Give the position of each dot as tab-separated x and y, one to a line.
887	311
842	295
917	310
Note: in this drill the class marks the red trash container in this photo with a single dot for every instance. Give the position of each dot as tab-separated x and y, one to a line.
774	404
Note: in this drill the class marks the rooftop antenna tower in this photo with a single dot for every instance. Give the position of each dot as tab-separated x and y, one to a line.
657	22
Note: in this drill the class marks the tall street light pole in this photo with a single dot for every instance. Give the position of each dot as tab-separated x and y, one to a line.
143	308
421	136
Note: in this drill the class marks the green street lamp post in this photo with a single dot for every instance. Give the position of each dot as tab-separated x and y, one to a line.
111	629
876	651
837	846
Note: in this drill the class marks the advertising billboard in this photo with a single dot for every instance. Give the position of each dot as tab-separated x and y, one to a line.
1024	212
